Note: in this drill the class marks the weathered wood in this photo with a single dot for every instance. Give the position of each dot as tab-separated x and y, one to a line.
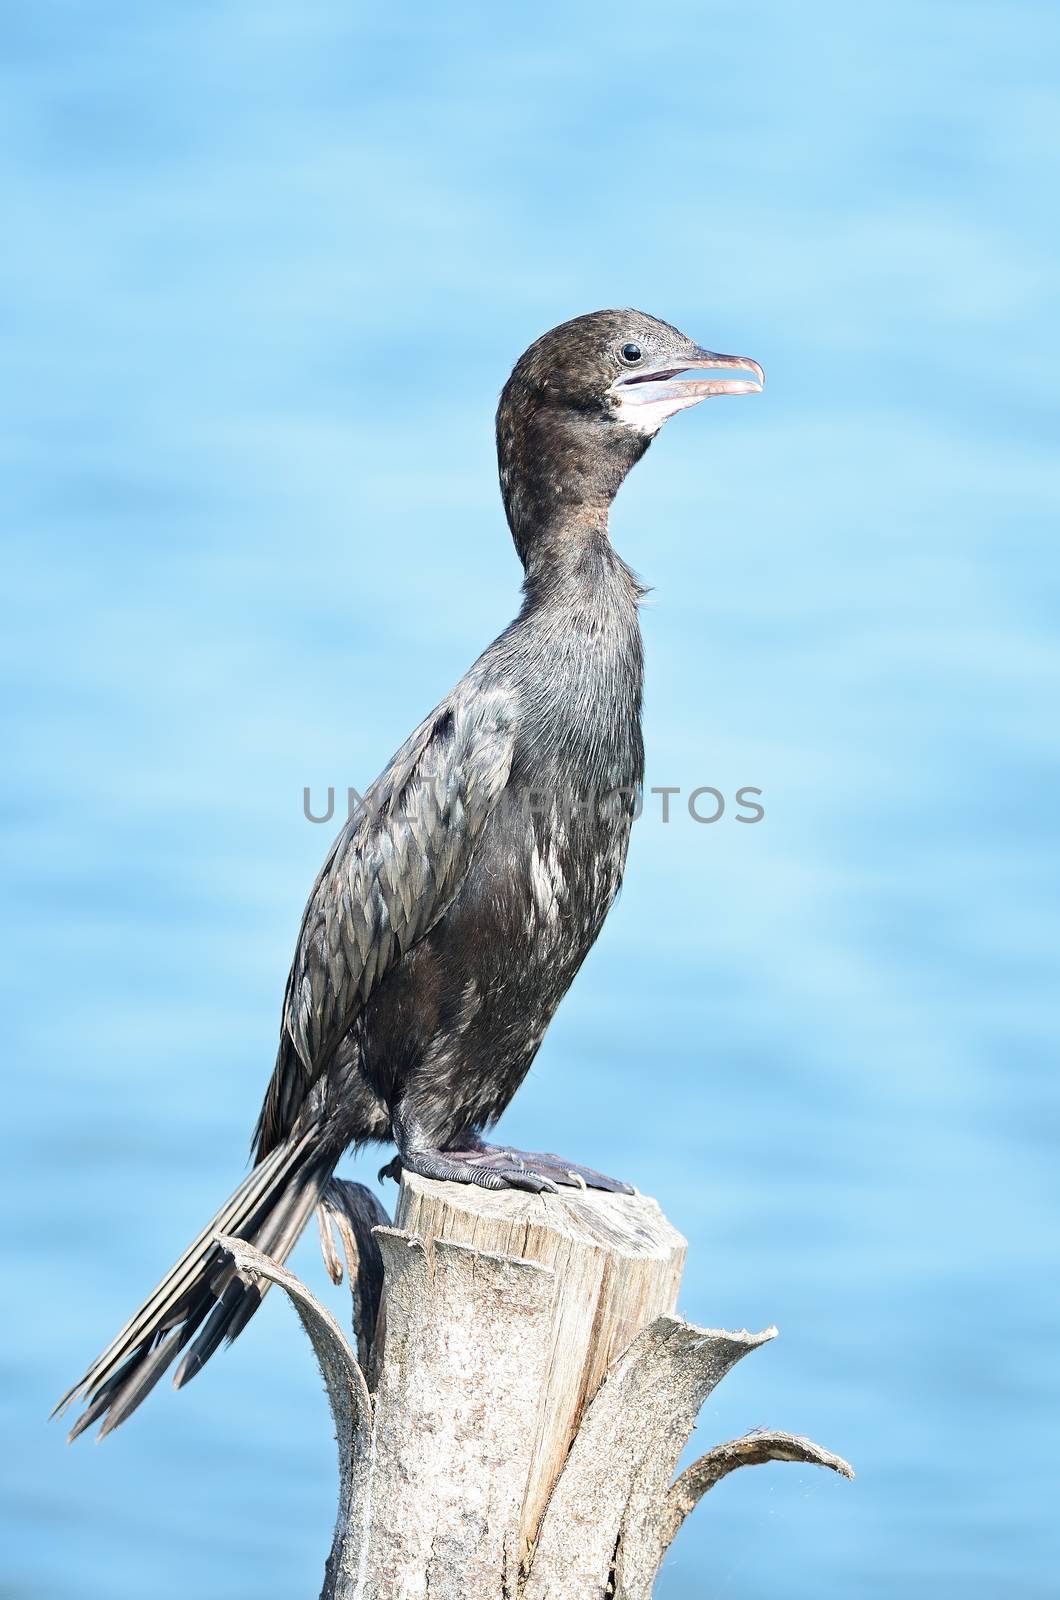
651	1524
351	1409
616	1264
625	1453
529	1394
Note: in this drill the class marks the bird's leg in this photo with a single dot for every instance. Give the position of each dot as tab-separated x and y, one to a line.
467	1159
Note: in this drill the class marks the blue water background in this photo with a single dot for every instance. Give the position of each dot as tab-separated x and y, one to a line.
265	268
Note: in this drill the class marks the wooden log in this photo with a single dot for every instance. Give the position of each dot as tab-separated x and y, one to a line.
615	1265
515	1432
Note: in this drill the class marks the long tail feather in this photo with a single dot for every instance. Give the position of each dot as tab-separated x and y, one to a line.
269	1209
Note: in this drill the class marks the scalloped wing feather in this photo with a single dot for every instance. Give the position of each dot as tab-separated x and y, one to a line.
393	871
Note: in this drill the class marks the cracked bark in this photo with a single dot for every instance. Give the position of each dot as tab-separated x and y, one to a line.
512	1430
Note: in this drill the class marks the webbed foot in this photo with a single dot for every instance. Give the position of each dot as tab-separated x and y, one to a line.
501	1171
563	1173
498	1167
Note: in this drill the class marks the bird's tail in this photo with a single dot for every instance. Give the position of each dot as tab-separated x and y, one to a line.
201	1294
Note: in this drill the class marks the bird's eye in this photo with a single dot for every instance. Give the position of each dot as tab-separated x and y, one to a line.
631	353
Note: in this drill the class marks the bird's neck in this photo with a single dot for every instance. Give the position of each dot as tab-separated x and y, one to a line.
579	658
559	473
573	570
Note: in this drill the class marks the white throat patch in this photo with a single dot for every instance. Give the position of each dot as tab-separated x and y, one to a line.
648	416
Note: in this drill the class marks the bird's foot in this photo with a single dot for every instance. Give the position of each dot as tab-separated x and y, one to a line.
497	1167
468	1166
565	1174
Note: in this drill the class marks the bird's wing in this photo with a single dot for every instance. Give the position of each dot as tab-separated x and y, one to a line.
391	873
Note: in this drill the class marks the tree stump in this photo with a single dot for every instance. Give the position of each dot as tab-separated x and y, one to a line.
514	1425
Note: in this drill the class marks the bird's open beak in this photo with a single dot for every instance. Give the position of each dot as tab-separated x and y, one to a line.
646	396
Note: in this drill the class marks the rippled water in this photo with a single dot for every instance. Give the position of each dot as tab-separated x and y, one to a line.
265	270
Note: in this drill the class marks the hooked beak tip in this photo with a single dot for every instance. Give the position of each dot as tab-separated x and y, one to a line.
710	358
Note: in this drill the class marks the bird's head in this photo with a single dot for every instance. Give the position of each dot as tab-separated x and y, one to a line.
583	404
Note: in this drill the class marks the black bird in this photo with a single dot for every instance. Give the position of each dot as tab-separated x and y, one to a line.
457	904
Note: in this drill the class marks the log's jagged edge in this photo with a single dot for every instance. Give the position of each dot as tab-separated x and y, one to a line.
639	1560
347	1391
635	1428
706	1357
750	1450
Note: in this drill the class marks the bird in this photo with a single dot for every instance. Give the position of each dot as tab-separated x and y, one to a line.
461	897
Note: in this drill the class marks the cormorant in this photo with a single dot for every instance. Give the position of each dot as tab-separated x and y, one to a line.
459	901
